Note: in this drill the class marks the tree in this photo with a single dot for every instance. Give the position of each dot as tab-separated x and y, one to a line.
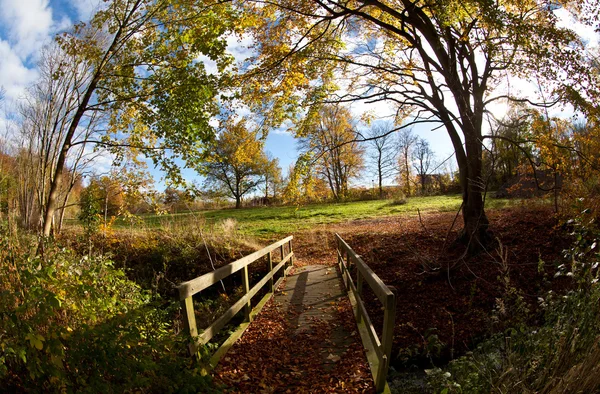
440	58
511	148
271	176
332	139
137	62
383	153
422	157
235	161
176	200
406	141
302	183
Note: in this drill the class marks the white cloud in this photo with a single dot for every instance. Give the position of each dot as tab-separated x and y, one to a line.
240	47
28	24
85	8
14	76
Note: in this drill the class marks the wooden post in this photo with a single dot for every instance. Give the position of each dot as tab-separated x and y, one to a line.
387	338
347	276
246	284
359	290
271	282
291	258
339	254
190	322
282	250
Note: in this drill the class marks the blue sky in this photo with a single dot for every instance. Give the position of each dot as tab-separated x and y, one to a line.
26	25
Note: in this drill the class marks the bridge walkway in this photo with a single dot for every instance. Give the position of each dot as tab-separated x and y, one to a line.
305	340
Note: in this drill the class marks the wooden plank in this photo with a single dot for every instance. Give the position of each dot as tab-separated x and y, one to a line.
246	286
381	378
379	288
372	357
190	316
200	283
270	264
389	318
359	290
218	324
224	348
360	309
190	323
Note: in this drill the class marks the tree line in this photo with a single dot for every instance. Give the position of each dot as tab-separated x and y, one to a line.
129	83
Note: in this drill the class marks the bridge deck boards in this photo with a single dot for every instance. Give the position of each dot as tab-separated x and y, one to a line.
304	341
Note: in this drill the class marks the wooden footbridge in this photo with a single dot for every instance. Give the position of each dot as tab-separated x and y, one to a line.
308	294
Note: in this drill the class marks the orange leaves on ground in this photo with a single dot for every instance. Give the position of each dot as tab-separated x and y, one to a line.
274	357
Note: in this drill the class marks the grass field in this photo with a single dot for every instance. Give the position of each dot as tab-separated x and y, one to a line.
269	221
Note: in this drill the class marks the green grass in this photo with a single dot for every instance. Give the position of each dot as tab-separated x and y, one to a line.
271	221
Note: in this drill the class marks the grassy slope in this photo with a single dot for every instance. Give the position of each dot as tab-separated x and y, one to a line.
268	221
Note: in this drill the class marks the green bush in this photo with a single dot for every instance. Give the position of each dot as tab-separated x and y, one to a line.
77	324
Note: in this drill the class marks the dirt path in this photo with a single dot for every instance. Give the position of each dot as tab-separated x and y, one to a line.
304	341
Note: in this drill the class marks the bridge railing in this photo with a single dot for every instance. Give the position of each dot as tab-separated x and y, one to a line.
191	288
382	347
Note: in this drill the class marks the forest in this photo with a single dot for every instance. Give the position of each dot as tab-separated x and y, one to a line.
142	155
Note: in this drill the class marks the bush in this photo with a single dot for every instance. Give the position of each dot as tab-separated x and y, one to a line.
71	323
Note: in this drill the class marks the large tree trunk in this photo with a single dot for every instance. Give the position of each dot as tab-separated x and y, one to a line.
475	233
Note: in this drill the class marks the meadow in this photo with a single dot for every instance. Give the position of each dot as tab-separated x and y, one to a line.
267	222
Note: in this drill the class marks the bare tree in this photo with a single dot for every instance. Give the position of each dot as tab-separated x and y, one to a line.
383	153
406	142
422	157
45	114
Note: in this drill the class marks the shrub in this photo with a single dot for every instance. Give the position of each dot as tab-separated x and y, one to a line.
71	323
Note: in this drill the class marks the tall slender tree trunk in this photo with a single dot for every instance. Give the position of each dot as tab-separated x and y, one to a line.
51	204
407	173
380	174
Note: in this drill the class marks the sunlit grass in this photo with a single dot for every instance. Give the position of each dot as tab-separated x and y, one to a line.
271	221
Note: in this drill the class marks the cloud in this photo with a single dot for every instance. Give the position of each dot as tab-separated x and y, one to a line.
85	8
27	24
14	75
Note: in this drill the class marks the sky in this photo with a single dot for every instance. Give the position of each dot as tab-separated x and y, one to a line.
27	25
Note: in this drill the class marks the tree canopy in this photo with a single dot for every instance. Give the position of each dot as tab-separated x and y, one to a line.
235	163
442	62
136	63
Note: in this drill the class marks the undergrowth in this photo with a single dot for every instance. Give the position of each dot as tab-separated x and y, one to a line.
77	324
560	355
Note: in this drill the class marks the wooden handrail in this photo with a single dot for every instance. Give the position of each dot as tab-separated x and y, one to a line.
382	347
190	288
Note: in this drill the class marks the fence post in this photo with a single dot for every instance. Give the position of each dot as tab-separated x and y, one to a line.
387	338
271	282
359	290
246	284
282	250
291	258
190	322
339	253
